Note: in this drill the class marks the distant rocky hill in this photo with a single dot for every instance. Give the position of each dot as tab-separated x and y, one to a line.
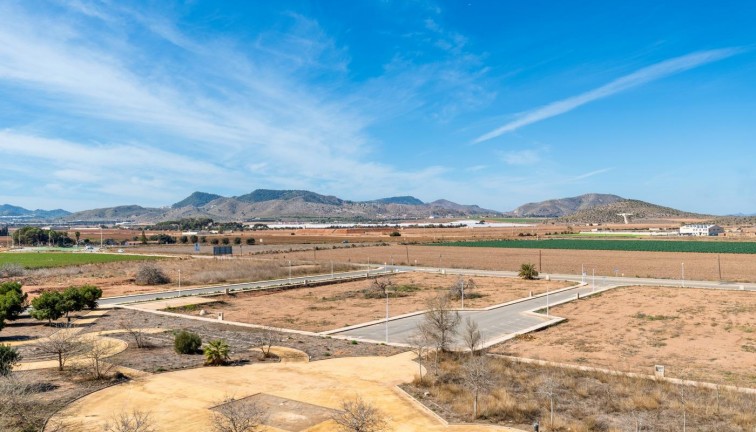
8	210
564	206
197	199
127	212
288	204
641	212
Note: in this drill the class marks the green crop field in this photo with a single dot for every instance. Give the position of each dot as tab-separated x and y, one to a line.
43	260
619	245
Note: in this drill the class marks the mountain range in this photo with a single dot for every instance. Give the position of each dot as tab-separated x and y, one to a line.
307	205
289	204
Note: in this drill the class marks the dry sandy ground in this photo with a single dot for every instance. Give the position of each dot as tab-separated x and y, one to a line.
703	334
329	307
306	394
700	266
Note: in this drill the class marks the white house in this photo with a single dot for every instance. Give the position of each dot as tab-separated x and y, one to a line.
701	230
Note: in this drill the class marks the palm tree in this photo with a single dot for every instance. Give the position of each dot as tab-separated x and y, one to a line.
216	353
528	271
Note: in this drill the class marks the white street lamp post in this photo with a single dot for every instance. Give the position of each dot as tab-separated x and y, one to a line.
387	312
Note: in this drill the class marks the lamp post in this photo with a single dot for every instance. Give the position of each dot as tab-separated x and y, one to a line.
387	311
594	281
289	271
682	275
179	282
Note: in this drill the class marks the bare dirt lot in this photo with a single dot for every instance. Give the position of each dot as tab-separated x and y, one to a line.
699	266
118	278
338	305
705	335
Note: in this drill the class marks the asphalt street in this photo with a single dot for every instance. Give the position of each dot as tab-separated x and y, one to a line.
516	317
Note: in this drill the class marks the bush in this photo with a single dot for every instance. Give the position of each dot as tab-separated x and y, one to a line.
11	270
49	305
395	234
216	353
528	271
150	274
250	241
9	357
90	295
12	301
187	342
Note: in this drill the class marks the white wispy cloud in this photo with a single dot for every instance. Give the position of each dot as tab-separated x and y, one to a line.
635	79
591	174
521	157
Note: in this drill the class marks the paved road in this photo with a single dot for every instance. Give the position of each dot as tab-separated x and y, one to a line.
497	323
251	286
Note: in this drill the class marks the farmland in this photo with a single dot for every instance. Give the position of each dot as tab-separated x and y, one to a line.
48	260
618	245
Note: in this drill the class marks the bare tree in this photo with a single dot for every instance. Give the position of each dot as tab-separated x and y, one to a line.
461	288
549	387
238	415
19	409
379	288
136	333
64	344
134	421
265	340
471	336
478	378
420	342
356	415
440	321
95	351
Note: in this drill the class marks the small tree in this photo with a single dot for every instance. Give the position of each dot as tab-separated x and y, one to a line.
95	352
440	321
471	335
12	301
233	415
186	342
225	240
265	340
420	342
478	378
193	239
150	274
462	288
90	295
73	300
134	421
184	239
215	241
9	358
548	388
77	234
379	288
140	339
356	415
250	241
216	353
528	271
49	305
63	344
237	240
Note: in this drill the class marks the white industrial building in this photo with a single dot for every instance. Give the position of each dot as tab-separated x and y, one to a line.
701	230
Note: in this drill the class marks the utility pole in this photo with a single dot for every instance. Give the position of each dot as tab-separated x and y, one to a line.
682	274
289	272
406	248
179	282
540	261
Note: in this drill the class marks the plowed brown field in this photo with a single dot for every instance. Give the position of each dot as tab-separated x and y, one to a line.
698	266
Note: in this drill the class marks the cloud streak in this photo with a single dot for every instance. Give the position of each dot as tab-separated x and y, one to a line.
642	76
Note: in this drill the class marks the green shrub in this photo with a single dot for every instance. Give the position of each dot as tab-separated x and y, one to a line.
187	342
9	357
150	274
216	353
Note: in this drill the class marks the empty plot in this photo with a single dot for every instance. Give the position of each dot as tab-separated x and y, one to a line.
700	334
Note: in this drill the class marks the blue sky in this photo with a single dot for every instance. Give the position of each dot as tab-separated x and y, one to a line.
495	103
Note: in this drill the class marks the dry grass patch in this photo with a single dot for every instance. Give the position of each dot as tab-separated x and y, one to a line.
583	401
